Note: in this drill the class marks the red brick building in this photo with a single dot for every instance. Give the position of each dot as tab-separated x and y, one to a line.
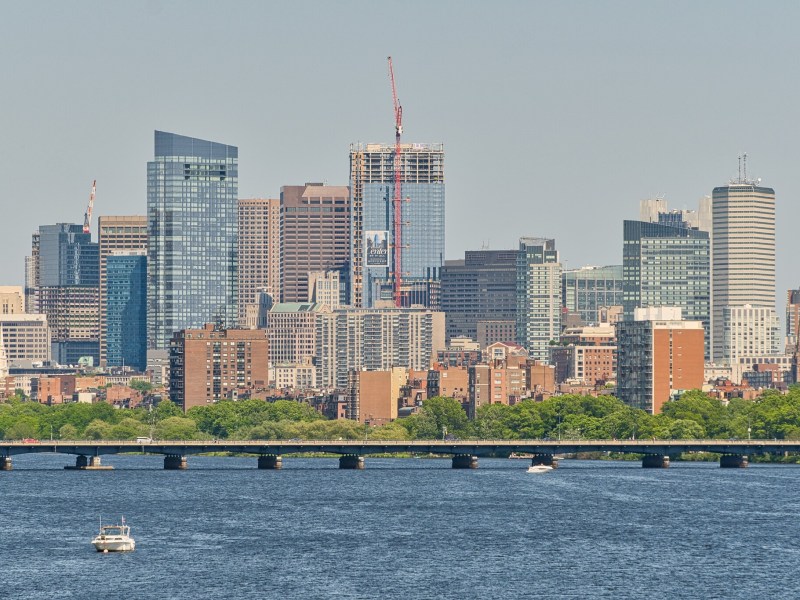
211	364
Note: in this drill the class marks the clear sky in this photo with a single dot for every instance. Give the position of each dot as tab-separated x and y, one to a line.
556	117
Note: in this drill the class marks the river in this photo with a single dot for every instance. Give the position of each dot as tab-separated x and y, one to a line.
402	528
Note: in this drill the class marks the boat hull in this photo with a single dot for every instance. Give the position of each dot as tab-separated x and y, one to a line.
114	545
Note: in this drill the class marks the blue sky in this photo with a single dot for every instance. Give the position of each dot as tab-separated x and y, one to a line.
557	117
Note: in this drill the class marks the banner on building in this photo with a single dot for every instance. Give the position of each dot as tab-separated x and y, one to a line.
377	248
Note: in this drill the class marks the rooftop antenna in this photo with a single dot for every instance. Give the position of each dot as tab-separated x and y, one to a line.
744	166
740	169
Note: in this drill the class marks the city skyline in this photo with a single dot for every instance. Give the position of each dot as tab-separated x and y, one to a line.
598	118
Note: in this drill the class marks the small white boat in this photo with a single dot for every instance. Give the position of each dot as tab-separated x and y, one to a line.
539	468
114	538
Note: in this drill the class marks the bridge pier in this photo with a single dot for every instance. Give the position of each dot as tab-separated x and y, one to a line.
174	462
351	461
733	461
5	463
544	459
270	462
465	461
88	463
655	461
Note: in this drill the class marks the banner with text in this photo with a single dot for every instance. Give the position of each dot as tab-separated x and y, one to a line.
377	248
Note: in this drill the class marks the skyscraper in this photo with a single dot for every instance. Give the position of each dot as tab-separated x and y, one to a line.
67	290
480	287
117	233
538	296
259	251
371	193
125	309
584	291
743	251
192	206
315	235
667	266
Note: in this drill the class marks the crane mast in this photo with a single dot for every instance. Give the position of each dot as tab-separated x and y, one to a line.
397	201
87	217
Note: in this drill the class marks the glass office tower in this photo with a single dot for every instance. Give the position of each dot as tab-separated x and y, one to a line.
126	309
192	189
667	266
66	284
372	218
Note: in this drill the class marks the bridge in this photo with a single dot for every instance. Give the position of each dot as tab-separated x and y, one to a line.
465	453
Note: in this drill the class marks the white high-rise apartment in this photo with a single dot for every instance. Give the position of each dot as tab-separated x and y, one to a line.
538	296
742	251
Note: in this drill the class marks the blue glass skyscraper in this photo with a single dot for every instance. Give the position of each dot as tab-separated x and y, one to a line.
126	309
372	217
192	199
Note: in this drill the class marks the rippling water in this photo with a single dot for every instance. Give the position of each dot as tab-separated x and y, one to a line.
402	528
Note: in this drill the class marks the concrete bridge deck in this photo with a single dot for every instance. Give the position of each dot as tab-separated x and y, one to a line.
352	452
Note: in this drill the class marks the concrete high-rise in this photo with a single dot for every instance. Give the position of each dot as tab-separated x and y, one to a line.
259	251
314	235
371	193
192	212
538	296
479	288
117	233
667	265
743	251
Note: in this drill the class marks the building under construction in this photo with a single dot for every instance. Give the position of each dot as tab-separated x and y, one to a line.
372	181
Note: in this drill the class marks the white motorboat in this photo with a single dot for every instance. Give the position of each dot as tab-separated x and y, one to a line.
539	468
114	538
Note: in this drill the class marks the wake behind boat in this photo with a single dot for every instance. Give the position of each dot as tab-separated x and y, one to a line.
114	538
539	468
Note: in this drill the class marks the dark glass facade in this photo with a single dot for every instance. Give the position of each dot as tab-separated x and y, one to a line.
481	287
192	203
667	266
126	310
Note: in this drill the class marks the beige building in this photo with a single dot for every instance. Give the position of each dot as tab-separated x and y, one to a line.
742	252
294	376
12	300
292	331
749	331
374	396
116	233
25	337
259	251
325	287
376	339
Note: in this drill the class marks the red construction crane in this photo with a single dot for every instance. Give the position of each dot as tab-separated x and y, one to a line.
397	201
87	217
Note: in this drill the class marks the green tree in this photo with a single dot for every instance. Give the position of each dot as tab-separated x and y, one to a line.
68	431
177	428
23	428
97	430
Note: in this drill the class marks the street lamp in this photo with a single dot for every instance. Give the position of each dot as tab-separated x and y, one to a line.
749	429
444	432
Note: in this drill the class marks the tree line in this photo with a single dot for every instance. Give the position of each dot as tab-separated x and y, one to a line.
693	416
